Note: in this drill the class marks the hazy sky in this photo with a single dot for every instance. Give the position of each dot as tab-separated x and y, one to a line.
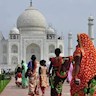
64	15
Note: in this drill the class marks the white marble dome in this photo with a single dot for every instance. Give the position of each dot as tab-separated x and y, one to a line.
50	30
14	30
31	17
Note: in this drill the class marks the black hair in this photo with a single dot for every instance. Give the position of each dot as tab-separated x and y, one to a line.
43	63
22	61
33	57
57	51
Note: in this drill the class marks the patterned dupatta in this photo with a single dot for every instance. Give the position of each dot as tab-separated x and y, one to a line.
56	61
88	63
62	66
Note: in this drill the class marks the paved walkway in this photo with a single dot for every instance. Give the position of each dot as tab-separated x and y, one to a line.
13	90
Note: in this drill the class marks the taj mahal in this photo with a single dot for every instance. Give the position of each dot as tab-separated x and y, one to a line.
32	35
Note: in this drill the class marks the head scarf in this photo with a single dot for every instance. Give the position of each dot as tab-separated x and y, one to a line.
88	63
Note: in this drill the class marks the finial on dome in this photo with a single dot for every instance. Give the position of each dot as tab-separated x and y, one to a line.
30	3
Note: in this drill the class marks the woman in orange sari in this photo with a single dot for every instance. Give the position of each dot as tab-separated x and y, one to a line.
84	73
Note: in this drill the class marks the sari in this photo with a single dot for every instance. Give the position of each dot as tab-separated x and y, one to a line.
33	80
24	79
59	74
43	78
87	68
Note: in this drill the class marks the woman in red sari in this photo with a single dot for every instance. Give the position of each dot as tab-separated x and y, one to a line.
84	73
59	73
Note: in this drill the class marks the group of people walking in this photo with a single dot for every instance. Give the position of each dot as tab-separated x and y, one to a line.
36	80
83	73
34	75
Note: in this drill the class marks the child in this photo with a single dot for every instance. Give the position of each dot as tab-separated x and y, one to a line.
19	79
43	76
18	76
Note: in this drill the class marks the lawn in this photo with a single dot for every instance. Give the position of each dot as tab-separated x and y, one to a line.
3	84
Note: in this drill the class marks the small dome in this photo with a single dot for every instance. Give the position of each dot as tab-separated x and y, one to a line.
90	18
51	30
31	17
14	31
70	34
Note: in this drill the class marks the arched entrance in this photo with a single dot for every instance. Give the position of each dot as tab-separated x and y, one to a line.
33	49
14	60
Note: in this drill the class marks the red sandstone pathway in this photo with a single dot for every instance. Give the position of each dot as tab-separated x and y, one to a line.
13	90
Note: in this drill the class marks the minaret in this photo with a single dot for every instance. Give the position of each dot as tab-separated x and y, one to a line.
90	28
30	3
70	49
